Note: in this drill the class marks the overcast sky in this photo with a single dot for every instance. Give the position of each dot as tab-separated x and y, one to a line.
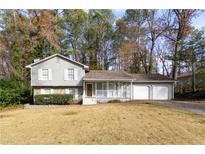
198	22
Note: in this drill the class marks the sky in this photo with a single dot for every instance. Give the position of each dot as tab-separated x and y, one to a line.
197	22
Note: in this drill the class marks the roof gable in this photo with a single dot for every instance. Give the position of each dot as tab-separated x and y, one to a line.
56	55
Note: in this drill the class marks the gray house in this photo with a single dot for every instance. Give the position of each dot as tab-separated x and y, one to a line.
58	74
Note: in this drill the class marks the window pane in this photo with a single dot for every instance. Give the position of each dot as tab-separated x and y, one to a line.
70	74
70	91
45	74
47	91
104	85
99	89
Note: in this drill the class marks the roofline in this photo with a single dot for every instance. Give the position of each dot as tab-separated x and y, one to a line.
93	79
155	81
131	80
42	60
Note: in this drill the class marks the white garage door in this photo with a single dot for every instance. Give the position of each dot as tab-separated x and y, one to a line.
141	92
160	92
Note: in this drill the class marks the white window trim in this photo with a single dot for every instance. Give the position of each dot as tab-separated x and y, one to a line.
66	74
40	74
43	91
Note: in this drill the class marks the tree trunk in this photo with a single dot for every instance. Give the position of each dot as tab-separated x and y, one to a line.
151	58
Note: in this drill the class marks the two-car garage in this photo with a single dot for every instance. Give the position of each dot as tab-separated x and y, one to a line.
153	91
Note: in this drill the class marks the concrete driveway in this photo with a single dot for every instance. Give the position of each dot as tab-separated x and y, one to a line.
197	107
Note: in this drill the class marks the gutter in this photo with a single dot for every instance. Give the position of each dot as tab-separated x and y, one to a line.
131	80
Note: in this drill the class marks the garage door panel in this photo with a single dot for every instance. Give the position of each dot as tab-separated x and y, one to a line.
141	92
160	92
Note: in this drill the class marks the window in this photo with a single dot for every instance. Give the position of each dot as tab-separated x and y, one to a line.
124	90
112	89
70	91
45	74
69	74
101	89
46	91
73	91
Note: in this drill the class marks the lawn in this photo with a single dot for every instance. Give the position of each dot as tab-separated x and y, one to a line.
119	123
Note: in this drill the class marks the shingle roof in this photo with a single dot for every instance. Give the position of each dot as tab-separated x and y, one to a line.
103	74
121	75
150	77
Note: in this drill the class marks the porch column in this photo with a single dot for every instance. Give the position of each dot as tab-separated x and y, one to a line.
107	89
95	89
84	89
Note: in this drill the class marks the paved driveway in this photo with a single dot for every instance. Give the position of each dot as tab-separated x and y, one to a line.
191	106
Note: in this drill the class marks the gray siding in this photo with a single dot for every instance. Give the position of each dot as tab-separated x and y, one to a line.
57	65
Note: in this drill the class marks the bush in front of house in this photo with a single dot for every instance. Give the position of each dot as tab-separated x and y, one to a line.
54	99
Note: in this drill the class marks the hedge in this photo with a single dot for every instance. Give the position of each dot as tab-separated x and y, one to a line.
55	99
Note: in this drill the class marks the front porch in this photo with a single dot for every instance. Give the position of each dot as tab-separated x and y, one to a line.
103	91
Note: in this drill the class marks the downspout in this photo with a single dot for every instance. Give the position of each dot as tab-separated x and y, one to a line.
173	90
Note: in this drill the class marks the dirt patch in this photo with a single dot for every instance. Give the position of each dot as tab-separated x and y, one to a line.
202	121
4	116
70	113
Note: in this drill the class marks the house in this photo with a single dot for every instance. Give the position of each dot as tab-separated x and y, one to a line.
59	74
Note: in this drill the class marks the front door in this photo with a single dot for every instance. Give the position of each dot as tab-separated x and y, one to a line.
89	90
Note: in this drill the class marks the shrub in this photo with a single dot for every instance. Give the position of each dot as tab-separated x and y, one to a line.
14	92
55	99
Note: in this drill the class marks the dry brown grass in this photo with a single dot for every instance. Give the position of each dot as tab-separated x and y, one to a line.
102	124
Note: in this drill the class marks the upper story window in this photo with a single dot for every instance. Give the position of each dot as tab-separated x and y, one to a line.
70	74
45	74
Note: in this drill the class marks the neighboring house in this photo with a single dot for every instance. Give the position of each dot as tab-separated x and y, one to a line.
185	81
59	74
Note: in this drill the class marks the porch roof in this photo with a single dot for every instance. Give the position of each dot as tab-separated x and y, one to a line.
97	75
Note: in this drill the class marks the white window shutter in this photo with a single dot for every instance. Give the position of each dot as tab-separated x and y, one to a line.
42	91
52	91
49	74
40	74
65	74
75	74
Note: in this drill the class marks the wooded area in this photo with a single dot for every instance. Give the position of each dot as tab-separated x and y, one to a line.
142	41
